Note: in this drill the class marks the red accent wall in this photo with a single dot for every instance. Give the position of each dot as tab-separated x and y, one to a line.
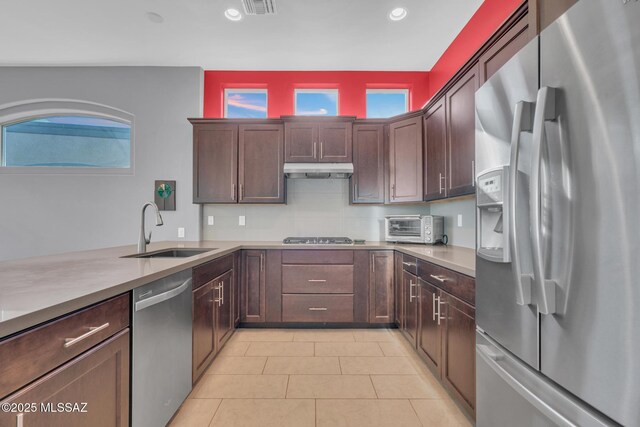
352	87
487	19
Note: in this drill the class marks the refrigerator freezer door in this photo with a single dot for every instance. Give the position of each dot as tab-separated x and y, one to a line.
591	205
503	308
510	393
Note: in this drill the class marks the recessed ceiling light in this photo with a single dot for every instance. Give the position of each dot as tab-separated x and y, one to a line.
155	17
233	14
398	14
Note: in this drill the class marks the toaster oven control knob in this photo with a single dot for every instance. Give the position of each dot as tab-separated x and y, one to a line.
428	231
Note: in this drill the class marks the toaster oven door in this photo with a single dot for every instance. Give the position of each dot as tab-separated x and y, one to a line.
405	229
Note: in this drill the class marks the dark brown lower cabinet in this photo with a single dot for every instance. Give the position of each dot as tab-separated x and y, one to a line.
381	289
253	286
236	288
399	296
203	327
223	307
410	291
459	350
98	377
430	329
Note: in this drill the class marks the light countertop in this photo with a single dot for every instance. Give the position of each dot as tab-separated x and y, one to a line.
35	290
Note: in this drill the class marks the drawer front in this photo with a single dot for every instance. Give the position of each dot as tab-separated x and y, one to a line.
317	308
410	264
304	256
456	284
205	273
317	279
32	354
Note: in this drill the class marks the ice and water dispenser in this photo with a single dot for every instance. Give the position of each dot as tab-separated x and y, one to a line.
493	214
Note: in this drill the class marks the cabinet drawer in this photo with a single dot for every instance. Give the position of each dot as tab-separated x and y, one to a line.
207	272
409	264
317	308
317	279
32	354
454	283
316	257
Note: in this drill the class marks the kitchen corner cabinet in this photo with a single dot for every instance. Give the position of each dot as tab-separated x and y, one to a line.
253	292
435	152
405	160
461	125
367	181
238	161
381	289
318	140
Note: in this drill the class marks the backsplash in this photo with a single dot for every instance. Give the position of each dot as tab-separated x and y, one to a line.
314	208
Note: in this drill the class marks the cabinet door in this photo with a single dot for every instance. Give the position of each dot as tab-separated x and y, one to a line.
399	289
504	49
215	163
381	290
435	152
203	334
430	330
99	377
236	288
260	167
405	160
461	125
301	142
335	142
410	326
459	343
223	309
367	182
253	286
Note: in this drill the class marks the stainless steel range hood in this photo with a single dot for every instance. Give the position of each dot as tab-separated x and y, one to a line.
318	170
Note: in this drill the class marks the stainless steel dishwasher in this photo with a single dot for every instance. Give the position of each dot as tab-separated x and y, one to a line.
161	370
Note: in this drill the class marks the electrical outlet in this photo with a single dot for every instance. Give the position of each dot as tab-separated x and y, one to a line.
241	220
180	232
210	220
459	220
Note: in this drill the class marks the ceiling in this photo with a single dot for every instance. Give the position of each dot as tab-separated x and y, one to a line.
303	35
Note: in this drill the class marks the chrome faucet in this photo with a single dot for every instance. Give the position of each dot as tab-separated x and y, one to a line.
144	241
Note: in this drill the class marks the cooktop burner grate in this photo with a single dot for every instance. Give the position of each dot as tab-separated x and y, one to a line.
318	241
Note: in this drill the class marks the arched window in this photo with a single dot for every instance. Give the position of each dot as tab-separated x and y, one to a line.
63	135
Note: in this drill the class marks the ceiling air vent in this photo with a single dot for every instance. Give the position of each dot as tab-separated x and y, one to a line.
259	7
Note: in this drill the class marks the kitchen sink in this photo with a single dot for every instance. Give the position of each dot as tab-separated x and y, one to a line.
172	253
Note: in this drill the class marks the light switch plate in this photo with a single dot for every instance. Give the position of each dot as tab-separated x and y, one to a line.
180	232
459	220
241	220
210	220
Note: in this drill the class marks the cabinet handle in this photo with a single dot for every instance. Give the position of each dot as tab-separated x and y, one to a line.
440	182
321	150
221	293
411	295
473	173
317	308
233	192
314	150
373	263
440	303
68	342
262	262
20	420
434	307
438	278
409	264
317	280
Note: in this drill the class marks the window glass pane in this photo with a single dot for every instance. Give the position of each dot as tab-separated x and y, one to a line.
316	102
243	103
67	141
382	104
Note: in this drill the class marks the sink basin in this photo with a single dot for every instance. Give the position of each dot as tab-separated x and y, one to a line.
172	253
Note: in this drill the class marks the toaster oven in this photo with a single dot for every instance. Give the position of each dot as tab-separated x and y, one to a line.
426	229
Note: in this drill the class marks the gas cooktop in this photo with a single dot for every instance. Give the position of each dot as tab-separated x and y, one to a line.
318	241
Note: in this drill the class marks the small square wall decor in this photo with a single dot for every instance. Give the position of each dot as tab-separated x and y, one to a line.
165	195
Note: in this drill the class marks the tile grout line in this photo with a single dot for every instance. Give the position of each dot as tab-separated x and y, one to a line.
374	387
214	413
416	412
286	390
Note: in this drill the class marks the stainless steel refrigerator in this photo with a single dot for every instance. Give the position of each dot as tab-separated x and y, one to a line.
558	223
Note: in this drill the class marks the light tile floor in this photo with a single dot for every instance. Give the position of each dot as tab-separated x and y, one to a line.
318	378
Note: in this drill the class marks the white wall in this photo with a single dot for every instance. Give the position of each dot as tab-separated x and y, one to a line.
53	213
464	235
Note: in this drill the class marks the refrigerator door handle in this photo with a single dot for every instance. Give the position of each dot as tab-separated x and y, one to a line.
545	110
493	359
522	122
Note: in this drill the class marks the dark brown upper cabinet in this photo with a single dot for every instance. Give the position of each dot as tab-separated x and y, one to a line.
405	160
543	12
367	182
504	49
461	125
435	152
318	139
238	161
260	164
215	163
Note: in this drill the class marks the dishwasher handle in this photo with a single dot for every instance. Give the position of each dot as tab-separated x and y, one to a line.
156	299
